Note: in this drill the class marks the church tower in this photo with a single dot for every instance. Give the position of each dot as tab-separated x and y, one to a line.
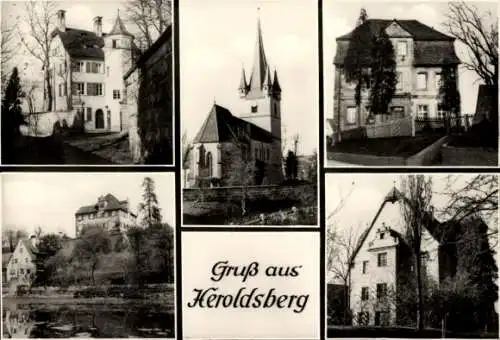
118	56
262	92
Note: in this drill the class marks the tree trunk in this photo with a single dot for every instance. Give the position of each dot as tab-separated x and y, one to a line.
48	88
420	311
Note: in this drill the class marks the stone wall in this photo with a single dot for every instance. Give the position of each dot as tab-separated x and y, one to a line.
305	193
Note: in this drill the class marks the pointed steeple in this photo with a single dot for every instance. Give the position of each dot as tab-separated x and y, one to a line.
119	27
268	85
243	83
260	66
276	83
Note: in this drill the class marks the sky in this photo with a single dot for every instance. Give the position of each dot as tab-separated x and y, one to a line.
218	37
339	18
50	200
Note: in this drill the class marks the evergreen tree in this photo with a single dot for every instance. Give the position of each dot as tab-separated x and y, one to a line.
449	96
12	117
149	209
291	166
383	73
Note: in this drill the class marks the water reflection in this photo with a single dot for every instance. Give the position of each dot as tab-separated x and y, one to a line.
28	320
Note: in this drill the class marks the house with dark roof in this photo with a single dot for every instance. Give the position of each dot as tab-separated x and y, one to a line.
21	266
382	264
108	211
249	139
87	69
420	54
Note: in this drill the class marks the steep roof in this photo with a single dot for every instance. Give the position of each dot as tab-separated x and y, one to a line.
119	28
431	46
81	43
221	126
112	203
260	66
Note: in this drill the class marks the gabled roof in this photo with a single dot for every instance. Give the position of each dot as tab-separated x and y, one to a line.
81	43
431	47
112	203
221	126
415	28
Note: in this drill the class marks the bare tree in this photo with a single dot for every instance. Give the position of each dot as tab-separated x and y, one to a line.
187	149
417	213
150	17
37	37
7	39
479	34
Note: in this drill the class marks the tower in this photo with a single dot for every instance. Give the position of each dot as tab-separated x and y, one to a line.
262	92
118	45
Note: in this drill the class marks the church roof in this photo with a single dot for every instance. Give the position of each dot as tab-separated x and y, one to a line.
119	28
431	47
112	203
222	126
81	43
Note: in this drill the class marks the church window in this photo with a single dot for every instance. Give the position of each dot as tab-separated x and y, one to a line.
116	94
209	164
114	43
201	161
254	108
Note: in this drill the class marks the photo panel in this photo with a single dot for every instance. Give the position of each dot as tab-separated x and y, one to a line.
96	261
410	83
87	83
251	285
412	255
249	112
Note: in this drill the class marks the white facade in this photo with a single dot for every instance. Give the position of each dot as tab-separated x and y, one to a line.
376	265
21	266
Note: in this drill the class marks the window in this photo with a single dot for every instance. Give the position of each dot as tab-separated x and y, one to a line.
78	88
422	81
398	111
363	318
351	115
365	267
94	89
94	67
440	111
423	111
402	49
116	94
209	164
382	235
437	81
77	66
382	318
382	259
254	108
399	84
28	271
364	294
381	290
60	90
89	114
114	43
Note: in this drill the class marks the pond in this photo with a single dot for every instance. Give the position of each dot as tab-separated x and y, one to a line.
74	320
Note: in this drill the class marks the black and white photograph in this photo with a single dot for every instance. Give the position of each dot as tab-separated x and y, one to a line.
96	261
87	82
410	83
418	258
249	111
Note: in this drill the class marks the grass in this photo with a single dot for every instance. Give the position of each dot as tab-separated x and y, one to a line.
111	146
392	146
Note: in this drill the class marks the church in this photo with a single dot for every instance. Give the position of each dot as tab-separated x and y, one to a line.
245	148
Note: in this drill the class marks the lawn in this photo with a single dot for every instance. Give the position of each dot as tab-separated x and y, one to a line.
392	146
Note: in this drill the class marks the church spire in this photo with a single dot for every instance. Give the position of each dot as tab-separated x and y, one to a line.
276	83
259	68
243	83
119	27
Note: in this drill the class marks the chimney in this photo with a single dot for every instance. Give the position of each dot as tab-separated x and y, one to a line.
61	20
98	26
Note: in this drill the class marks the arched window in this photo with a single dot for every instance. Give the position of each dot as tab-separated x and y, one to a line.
209	164
201	162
